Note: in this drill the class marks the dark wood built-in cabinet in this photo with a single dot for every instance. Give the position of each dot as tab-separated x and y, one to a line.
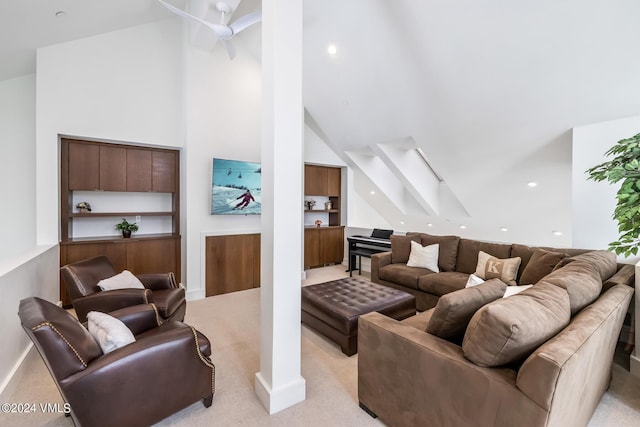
233	263
324	245
96	166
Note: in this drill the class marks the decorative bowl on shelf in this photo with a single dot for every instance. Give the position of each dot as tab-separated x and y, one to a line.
83	207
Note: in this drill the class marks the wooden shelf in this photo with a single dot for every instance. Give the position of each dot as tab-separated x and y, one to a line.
118	214
118	239
321	211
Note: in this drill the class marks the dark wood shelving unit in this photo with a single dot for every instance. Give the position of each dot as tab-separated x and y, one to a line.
106	167
324	245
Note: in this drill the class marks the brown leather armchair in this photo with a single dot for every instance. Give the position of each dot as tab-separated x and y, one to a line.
81	279
166	369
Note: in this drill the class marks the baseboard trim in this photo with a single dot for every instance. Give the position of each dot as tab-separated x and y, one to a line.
8	386
281	398
195	294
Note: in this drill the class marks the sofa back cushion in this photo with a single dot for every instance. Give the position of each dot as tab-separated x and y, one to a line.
542	262
401	247
468	250
448	249
580	279
604	262
509	329
454	310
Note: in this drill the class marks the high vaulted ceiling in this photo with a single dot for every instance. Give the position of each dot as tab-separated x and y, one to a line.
489	90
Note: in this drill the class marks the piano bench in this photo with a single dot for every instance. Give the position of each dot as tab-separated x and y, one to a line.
361	252
333	308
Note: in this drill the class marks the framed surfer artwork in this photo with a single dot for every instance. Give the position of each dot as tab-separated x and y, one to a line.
236	187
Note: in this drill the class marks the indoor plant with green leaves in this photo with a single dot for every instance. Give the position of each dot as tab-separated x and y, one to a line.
127	228
625	167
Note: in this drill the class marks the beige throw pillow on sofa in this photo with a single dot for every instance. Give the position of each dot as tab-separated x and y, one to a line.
455	309
490	267
424	256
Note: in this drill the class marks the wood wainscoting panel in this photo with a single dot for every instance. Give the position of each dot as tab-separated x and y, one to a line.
232	263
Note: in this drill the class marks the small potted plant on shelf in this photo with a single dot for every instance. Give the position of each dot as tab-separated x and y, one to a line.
127	228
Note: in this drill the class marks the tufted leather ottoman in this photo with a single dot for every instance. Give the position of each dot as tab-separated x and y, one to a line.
333	308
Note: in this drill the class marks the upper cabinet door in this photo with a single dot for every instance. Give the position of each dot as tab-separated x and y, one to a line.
84	166
315	180
113	168
138	170
333	182
163	172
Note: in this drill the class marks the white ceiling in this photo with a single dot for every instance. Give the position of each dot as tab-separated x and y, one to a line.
490	90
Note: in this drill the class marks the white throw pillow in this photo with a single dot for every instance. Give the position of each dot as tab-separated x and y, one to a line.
109	332
473	280
424	256
512	290
124	280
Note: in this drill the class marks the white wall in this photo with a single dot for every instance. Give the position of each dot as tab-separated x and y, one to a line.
594	202
122	86
222	99
17	175
33	274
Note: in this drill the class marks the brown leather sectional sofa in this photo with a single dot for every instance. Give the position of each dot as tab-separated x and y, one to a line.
542	357
457	260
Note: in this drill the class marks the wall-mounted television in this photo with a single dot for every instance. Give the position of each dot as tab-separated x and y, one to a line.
236	187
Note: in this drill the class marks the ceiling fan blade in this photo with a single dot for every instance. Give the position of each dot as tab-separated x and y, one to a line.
222	31
231	50
245	22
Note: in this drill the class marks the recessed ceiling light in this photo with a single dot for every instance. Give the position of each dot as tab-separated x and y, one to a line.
463	227
332	49
429	225
557	233
504	229
372	192
402	222
60	14
532	184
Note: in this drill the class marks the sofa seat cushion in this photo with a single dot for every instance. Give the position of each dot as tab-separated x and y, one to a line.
509	329
454	310
468	250
403	275
442	283
448	249
541	263
581	281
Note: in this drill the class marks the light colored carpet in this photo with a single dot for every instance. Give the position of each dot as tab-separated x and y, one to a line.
231	322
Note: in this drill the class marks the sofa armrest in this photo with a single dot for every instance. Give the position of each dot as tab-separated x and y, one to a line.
378	261
108	301
163	362
139	318
624	276
573	368
409	377
157	281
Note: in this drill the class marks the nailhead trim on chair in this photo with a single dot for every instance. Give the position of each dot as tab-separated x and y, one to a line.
158	318
205	361
41	325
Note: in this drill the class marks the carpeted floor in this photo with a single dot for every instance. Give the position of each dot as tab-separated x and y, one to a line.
231	322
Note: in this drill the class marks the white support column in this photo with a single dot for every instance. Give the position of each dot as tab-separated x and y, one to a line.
279	383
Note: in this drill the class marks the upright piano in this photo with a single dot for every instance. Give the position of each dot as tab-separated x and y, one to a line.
365	246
